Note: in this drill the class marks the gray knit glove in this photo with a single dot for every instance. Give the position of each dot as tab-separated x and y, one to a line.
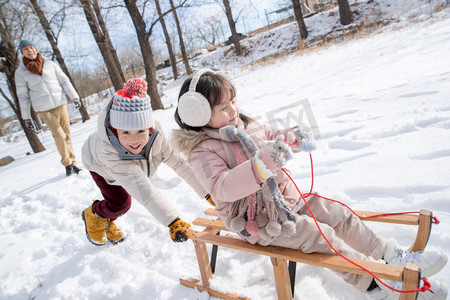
29	124
301	139
77	103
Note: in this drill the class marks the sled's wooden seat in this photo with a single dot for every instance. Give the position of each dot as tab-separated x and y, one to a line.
279	256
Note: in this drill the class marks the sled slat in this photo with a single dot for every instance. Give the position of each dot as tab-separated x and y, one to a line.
397	219
423	221
334	262
194	283
216	224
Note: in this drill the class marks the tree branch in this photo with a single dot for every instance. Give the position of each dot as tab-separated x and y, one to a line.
11	104
149	32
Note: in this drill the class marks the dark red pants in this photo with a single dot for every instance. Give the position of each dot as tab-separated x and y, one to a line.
116	201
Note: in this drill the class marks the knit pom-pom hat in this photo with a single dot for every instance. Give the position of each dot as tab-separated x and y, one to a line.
131	108
24	43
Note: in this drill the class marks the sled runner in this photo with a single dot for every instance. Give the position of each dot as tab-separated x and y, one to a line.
279	256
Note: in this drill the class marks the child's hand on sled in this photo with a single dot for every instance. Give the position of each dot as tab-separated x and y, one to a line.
272	156
178	230
301	139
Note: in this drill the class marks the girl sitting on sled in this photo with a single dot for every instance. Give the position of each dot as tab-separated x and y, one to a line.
240	163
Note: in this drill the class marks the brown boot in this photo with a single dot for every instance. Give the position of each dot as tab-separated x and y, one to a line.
95	226
113	233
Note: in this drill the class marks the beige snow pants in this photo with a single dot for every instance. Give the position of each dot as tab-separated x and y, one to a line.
57	120
345	231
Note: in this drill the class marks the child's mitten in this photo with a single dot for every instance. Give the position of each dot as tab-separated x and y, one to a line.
178	230
272	156
210	200
301	139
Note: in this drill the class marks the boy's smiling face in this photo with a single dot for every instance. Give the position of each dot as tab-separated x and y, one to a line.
133	140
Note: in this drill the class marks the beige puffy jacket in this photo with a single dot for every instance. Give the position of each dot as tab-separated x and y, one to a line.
101	157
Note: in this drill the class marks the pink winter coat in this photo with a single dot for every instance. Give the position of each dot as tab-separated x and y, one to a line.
211	167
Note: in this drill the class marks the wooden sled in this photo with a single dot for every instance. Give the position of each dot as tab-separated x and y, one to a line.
279	256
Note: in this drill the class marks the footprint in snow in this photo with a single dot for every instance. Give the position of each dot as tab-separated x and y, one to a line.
340	133
343	113
407	128
398	86
348	145
399	192
433	155
410	95
431	121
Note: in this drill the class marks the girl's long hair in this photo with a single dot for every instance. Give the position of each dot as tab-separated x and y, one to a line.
213	87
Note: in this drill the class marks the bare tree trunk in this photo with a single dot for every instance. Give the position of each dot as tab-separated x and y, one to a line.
8	51
173	60
299	17
232	24
147	53
105	31
345	14
31	135
103	45
180	37
35	117
48	32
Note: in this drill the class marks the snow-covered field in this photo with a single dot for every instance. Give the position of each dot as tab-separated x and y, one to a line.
382	109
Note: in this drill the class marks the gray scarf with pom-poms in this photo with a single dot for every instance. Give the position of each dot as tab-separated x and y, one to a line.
261	216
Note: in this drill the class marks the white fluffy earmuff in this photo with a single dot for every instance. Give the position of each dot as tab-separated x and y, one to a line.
193	108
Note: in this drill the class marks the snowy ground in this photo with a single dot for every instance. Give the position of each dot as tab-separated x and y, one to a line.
382	109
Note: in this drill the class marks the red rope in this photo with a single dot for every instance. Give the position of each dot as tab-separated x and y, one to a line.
361	217
426	285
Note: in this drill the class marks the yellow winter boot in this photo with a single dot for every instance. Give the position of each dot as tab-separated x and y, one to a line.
113	233
95	226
